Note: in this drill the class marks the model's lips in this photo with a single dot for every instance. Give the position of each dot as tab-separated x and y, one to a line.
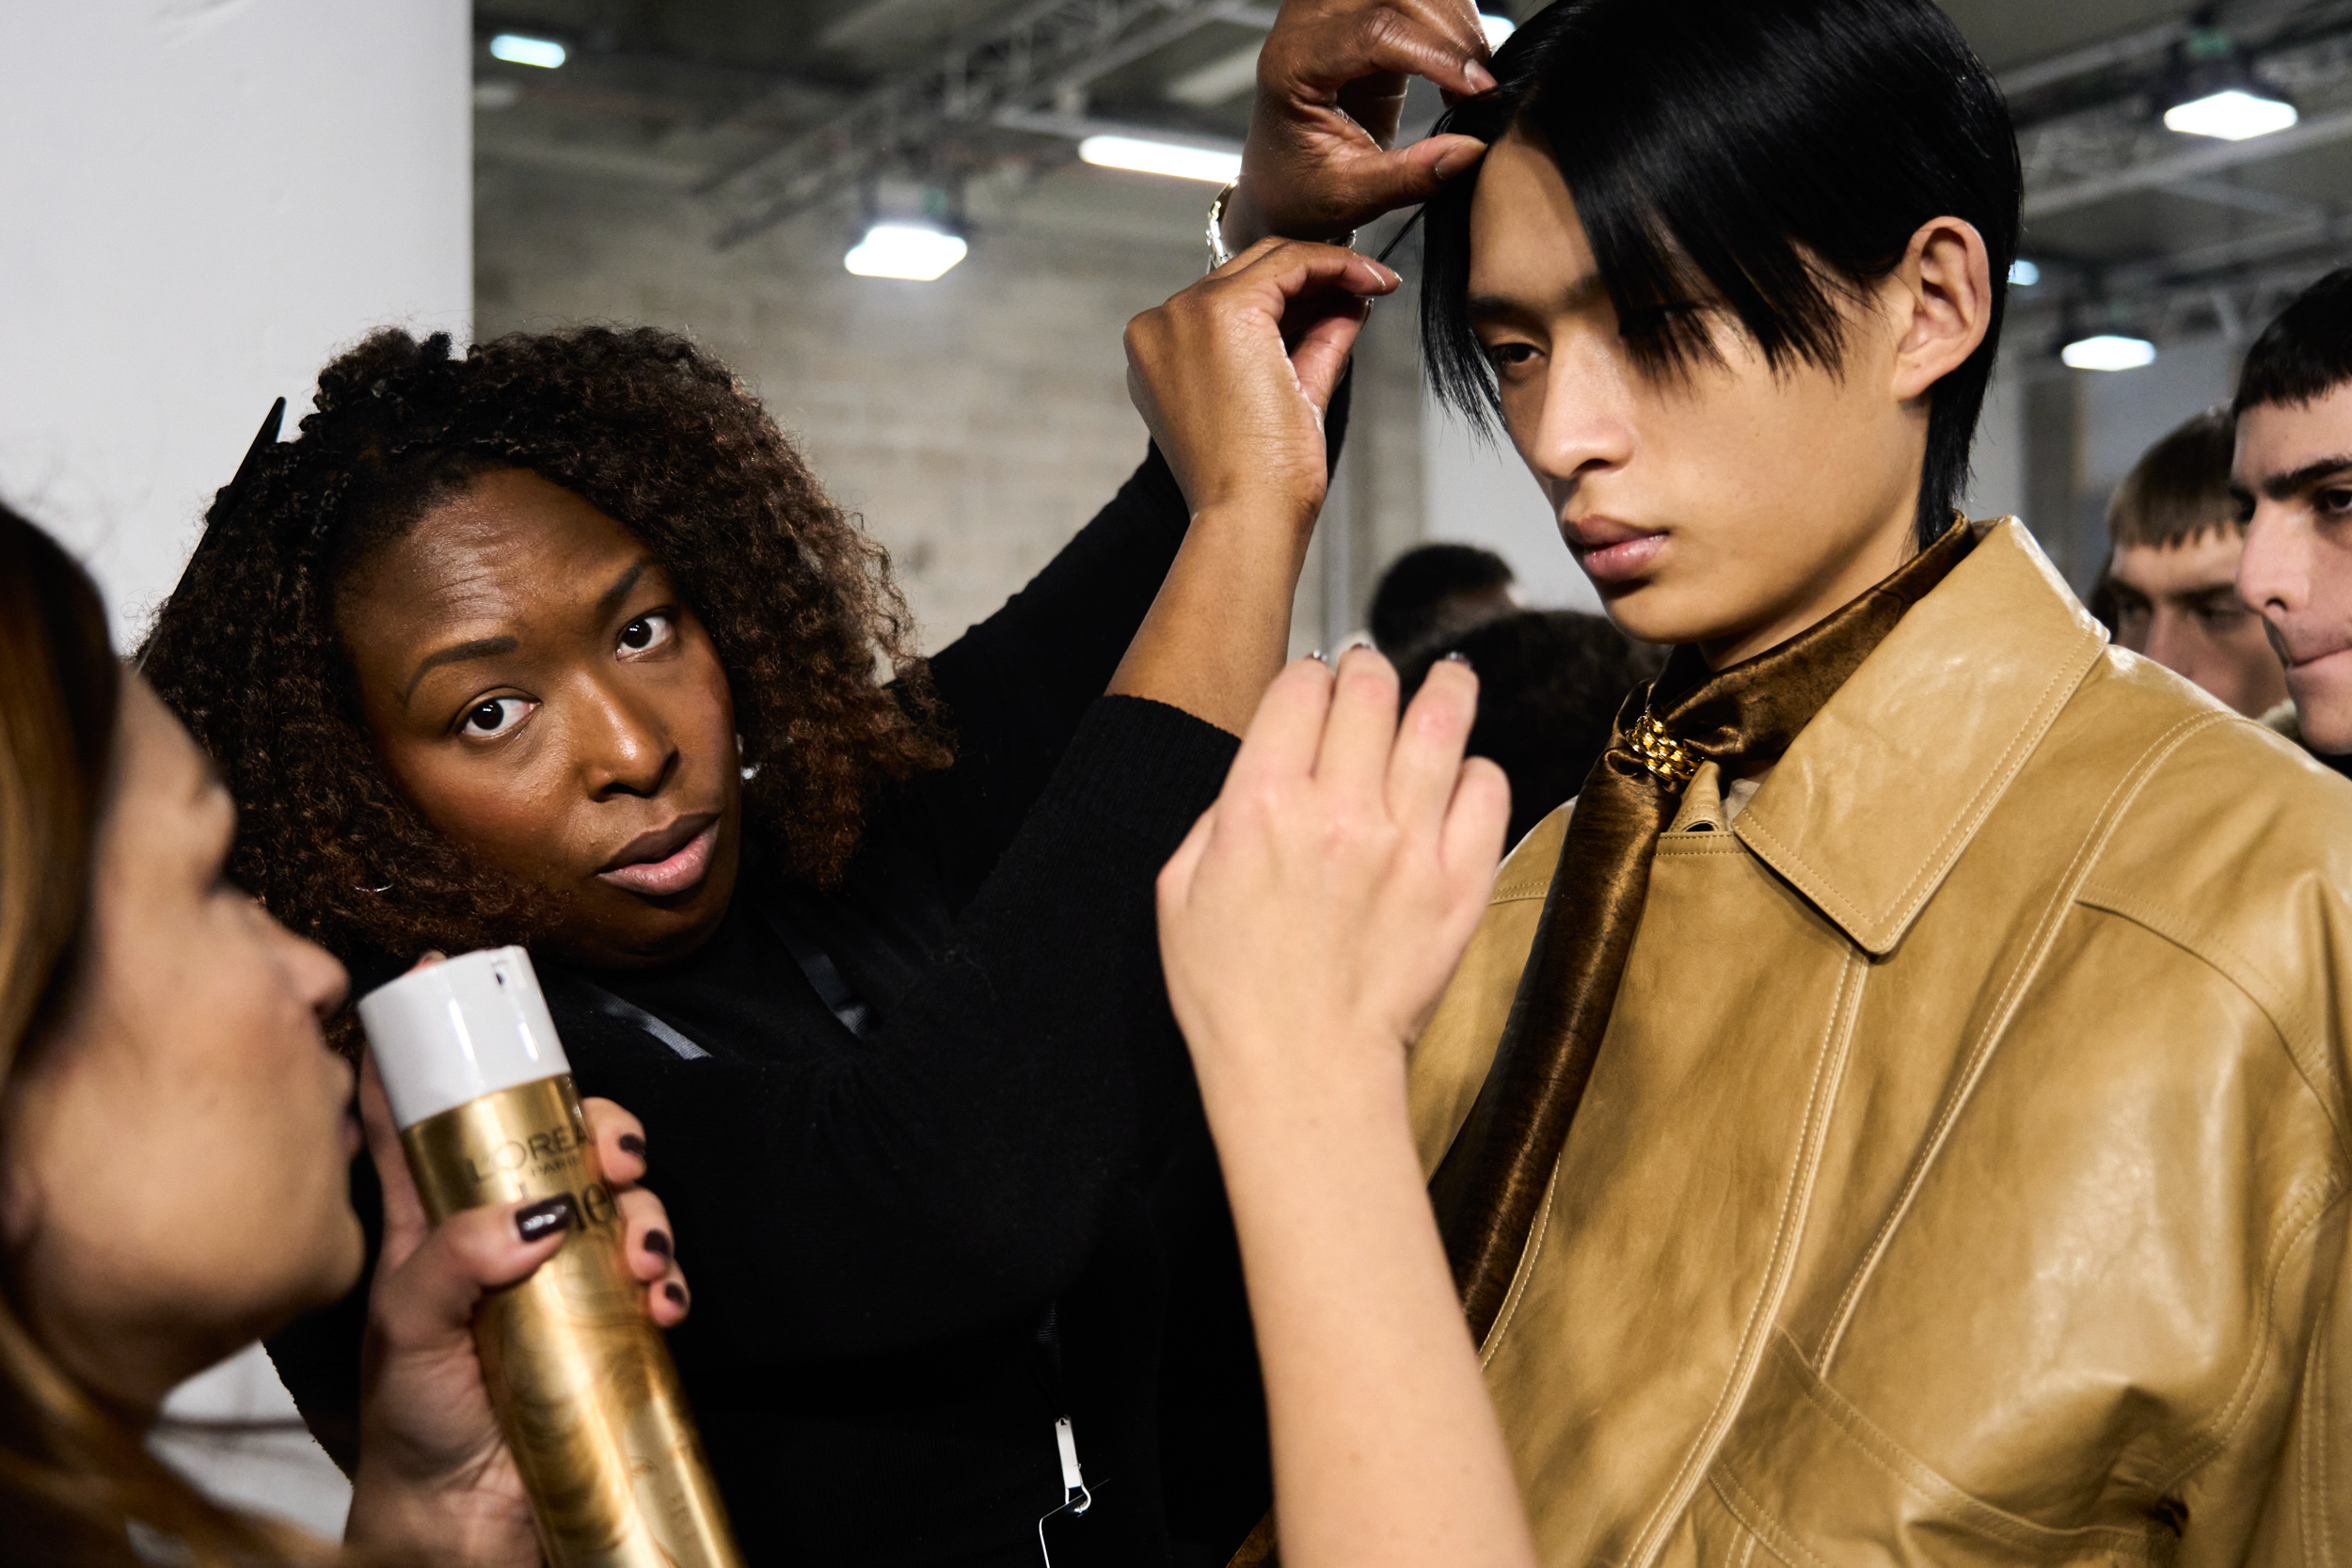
667	861
1612	551
347	1133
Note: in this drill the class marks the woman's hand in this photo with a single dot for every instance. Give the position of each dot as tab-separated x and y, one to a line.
1317	911
1332	82
435	1476
1233	374
1308	925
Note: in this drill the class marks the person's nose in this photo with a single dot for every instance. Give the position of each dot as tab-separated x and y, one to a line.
1581	429
2274	572
317	976
626	749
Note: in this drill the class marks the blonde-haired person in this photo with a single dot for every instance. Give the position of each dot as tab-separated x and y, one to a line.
173	1134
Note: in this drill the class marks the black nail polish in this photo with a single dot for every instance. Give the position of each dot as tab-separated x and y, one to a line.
675	1291
658	1243
631	1144
546	1217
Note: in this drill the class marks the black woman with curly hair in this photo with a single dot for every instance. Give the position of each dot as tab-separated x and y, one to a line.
559	641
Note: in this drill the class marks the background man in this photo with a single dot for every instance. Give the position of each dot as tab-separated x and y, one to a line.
2173	576
2292	481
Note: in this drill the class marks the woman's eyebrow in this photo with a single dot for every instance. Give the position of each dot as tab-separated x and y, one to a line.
612	598
458	653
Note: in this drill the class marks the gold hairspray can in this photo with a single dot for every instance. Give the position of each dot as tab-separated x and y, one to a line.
582	1382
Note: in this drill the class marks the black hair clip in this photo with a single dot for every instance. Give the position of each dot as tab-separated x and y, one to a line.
264	439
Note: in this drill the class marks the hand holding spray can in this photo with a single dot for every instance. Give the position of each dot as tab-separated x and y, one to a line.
582	1382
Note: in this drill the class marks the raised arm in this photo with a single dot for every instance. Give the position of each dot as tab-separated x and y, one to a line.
1239	417
1308	925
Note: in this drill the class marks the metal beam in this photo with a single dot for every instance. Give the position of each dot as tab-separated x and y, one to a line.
1046	46
2155	172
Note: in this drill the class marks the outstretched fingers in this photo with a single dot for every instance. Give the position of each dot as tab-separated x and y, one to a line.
1427	757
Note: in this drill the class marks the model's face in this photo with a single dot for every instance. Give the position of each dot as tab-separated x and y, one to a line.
2292	481
2178	604
538	687
177	1140
1736	505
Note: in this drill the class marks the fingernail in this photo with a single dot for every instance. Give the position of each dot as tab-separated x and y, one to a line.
631	1144
1454	160
1479	77
658	1243
675	1291
1317	656
1458	657
546	1217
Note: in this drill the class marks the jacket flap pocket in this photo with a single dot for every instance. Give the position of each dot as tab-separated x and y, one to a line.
1824	1487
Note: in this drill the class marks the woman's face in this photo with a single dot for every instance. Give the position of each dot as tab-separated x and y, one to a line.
1736	505
177	1141
538	687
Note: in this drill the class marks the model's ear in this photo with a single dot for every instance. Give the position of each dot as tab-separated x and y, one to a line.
1939	301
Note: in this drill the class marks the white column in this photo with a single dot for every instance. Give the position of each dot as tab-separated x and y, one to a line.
202	199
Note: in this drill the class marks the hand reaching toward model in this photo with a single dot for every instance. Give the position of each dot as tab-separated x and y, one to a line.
1331	80
1308	925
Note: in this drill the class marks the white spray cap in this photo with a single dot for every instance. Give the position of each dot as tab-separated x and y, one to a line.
459	1030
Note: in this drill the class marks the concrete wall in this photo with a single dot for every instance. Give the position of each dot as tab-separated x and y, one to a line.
204	198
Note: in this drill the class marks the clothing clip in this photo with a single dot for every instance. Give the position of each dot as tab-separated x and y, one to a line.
1076	1500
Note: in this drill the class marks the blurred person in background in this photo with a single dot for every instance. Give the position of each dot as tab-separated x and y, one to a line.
2175	539
173	1133
1549	685
2291	483
1436	592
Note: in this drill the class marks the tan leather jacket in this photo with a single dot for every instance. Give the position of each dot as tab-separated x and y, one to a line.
1963	1178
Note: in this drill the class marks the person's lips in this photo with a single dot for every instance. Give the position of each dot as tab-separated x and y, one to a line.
347	1133
1612	551
667	861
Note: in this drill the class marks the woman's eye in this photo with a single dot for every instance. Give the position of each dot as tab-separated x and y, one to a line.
646	633
1504	356
495	718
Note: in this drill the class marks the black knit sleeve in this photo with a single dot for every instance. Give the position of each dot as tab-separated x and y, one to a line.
958	1169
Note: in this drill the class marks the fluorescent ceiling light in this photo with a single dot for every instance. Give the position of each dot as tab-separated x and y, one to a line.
2233	114
908	250
515	49
1497	28
1220	81
2024	273
1161	157
2108	351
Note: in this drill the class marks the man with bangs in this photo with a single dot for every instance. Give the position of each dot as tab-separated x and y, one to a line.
1896	1112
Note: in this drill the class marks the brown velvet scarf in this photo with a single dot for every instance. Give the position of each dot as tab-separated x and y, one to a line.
1492	1180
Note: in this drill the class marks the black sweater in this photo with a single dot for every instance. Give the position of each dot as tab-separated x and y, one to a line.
929	1142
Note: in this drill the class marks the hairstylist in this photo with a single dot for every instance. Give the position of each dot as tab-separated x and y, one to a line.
172	1135
562	641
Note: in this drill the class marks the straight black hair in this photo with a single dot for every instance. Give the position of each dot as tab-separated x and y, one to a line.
1773	157
2307	353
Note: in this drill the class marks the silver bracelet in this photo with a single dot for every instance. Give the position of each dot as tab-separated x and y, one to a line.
1218	254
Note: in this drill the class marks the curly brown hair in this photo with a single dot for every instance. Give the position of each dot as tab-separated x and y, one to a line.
654	433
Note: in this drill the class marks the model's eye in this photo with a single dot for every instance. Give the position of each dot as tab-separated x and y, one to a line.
495	718
1503	356
2336	500
648	632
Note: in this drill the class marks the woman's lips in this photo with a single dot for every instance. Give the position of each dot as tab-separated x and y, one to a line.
1618	560
678	871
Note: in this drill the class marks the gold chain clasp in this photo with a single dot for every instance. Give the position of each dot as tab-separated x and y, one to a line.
1660	753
